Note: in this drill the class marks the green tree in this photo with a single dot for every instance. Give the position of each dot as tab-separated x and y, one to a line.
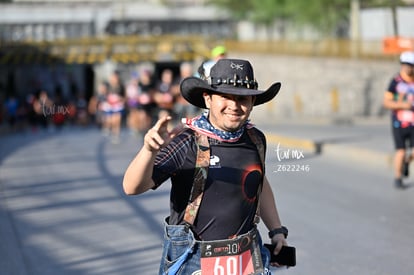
328	17
238	9
263	12
270	13
382	3
323	15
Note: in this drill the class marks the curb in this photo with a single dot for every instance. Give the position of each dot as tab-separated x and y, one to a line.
305	144
359	155
351	153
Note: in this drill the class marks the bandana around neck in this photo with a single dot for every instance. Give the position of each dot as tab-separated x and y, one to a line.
202	125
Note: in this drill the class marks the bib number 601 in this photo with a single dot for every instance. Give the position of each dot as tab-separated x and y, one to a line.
233	265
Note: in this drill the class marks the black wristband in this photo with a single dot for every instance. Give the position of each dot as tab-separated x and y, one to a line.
281	230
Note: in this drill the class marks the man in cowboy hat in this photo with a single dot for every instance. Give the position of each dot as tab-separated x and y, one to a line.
216	167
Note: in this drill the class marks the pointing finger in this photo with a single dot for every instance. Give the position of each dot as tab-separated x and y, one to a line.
162	123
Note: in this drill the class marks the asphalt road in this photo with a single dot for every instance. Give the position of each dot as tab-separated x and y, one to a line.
62	210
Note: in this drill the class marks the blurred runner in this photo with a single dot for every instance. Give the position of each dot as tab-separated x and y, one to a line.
400	99
146	107
217	53
182	108
96	103
163	95
116	101
132	100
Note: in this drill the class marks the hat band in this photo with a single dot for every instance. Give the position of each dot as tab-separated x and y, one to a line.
249	84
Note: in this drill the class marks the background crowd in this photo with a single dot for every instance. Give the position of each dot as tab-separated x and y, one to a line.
132	102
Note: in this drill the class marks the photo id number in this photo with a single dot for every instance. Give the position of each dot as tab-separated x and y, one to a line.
292	168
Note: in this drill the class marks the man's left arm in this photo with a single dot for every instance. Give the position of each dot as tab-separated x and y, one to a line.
270	215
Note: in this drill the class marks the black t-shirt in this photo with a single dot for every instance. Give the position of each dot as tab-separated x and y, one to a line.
234	176
401	88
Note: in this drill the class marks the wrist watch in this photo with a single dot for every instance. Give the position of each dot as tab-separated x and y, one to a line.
281	230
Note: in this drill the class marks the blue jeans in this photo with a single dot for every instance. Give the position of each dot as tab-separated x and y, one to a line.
181	252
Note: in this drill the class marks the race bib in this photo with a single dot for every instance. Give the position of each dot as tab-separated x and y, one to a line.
405	116
239	256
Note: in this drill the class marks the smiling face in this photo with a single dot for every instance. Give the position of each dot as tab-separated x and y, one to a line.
228	112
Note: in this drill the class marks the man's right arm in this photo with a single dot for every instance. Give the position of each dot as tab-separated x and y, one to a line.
399	104
138	175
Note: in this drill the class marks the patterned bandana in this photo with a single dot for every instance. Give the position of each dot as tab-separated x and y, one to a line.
202	125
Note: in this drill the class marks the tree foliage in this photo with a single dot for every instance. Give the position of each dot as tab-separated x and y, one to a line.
267	11
324	15
321	14
238	9
381	3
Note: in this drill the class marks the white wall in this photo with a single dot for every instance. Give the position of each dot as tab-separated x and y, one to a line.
377	23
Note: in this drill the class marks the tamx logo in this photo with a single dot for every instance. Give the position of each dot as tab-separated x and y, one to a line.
214	162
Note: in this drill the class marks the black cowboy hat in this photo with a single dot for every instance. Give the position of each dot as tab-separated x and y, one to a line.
227	76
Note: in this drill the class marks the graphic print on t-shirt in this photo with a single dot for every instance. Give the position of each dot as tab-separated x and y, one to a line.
406	90
403	91
230	195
